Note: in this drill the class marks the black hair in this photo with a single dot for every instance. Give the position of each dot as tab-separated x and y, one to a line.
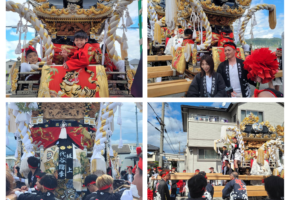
123	173
48	181
274	185
188	32
28	52
90	178
32	161
202	173
40	174
196	186
18	172
81	34
231	43
162	172
208	59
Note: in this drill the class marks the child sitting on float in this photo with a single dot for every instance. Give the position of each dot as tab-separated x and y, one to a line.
31	58
80	58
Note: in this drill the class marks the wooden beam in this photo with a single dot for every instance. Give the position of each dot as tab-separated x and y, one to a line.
159	58
215	176
165	82
157	90
279	74
160	74
252	191
158	68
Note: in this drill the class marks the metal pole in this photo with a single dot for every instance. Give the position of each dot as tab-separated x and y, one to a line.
179	148
161	137
137	142
283	62
140	22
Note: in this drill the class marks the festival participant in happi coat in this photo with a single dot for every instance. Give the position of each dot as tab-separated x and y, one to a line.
34	169
47	185
236	153
208	194
211	171
278	81
234	74
105	190
161	191
197	187
173	184
224	156
274	185
187	38
90	183
207	83
235	189
129	176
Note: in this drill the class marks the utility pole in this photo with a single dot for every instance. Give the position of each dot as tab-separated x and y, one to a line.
179	148
137	142
161	136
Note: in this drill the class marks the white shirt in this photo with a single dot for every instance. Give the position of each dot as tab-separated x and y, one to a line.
234	78
208	83
130	178
173	42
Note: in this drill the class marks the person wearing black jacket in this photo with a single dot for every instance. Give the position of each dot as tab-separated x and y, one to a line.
173	185
48	183
129	176
274	185
234	74
33	166
161	190
235	189
224	156
197	187
207	83
90	183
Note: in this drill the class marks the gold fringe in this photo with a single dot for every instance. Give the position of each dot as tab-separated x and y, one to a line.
272	18
157	33
94	166
276	172
102	81
124	53
261	154
282	173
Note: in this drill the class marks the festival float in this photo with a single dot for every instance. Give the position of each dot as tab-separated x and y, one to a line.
261	145
71	140
212	23
108	74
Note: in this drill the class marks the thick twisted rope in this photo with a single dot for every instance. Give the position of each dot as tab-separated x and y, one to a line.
37	24
32	42
111	34
152	15
201	14
272	19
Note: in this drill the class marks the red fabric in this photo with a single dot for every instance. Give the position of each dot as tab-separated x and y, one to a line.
31	166
129	167
80	58
228	45
257	92
76	135
279	49
166	41
222	41
252	162
236	145
140	164
105	187
149	194
48	136
83	79
184	170
187	41
93	182
49	188
262	63
138	150
165	174
30	48
134	169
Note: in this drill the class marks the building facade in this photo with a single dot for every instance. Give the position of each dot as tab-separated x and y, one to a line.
203	126
9	65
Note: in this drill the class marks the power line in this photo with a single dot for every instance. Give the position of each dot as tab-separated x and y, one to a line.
154	112
153	126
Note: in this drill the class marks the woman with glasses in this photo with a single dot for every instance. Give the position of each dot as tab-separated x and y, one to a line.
207	83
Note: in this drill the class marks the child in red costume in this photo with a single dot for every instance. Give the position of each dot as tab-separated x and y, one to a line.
81	58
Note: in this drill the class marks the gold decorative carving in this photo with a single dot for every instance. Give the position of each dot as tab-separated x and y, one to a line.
244	2
64	110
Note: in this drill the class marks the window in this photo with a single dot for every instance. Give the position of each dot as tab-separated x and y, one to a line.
235	118
10	66
209	154
246	113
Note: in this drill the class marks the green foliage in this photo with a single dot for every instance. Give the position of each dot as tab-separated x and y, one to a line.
264	42
24	108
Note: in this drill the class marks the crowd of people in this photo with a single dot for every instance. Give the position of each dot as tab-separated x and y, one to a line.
41	186
199	188
231	78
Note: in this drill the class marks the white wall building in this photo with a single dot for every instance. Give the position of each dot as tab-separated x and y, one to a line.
9	65
203	126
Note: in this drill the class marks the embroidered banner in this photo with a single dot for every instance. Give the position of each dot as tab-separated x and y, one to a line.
47	136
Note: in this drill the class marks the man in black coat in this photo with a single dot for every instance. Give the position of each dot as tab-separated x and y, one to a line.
129	176
234	74
48	185
161	190
235	189
33	166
